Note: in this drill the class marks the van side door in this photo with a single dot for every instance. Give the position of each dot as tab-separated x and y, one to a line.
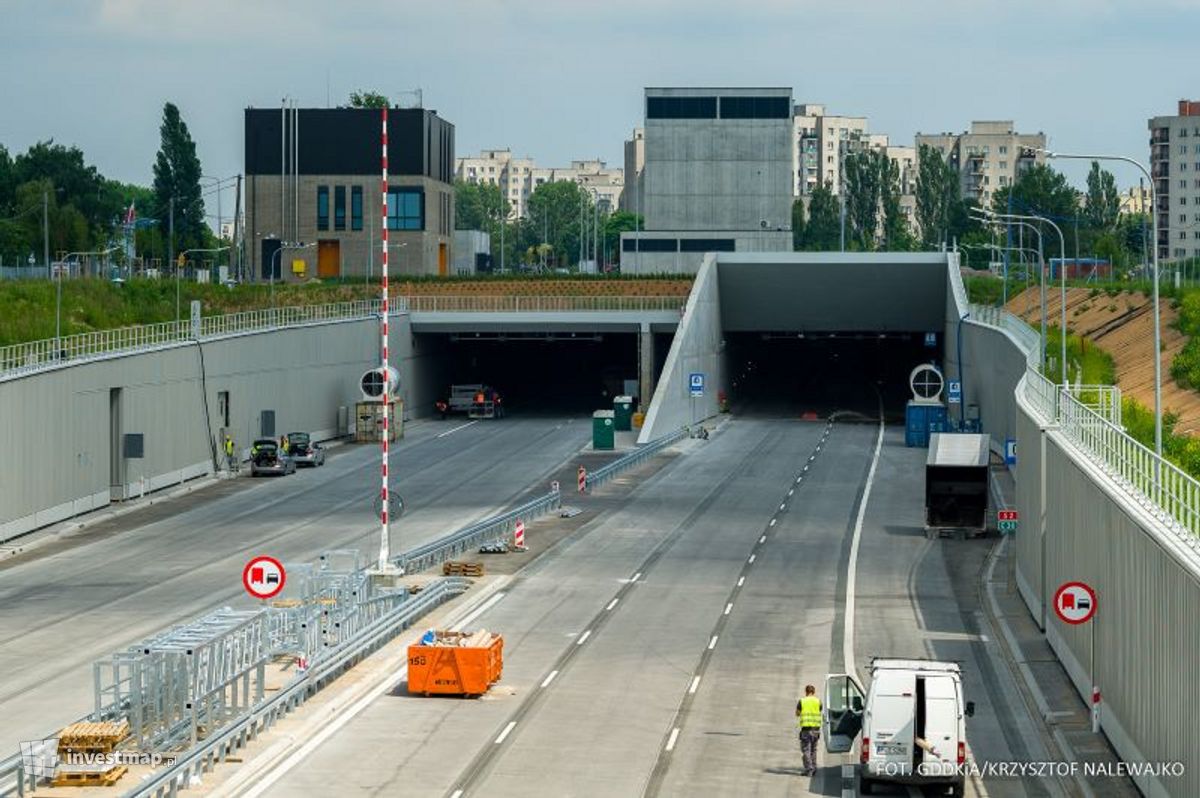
842	711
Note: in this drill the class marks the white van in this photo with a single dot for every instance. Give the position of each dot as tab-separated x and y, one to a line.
912	723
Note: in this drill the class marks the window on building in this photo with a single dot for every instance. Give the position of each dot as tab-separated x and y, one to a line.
339	208
755	107
322	207
1004	180
1004	149
1183	218
356	208
1183	133
406	209
681	107
1004	166
1183	200
1183	148
650	245
706	245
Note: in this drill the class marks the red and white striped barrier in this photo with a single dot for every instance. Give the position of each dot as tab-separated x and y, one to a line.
1095	709
582	479
519	536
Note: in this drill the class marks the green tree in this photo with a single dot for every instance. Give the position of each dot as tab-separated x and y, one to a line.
611	228
864	171
368	99
938	196
1042	191
477	206
177	175
797	224
897	237
1102	204
823	231
558	210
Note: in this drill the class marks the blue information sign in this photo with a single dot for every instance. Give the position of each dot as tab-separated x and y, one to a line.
696	383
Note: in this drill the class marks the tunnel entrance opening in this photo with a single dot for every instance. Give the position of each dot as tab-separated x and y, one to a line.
792	374
560	373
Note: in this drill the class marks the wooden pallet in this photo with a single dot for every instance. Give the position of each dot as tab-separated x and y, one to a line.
105	778
92	736
455	568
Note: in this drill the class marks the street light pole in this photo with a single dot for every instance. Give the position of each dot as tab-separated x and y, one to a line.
991	217
1154	250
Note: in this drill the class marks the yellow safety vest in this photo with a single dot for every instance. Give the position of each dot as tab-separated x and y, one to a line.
229	446
810	712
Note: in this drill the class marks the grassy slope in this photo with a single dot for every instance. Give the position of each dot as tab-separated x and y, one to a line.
27	307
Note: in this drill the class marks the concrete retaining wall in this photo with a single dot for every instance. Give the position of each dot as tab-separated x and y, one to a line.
1145	633
62	429
697	347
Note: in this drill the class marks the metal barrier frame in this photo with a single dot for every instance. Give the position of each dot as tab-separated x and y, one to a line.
639	455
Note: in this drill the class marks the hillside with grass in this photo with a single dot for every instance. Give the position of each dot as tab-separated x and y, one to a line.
27	307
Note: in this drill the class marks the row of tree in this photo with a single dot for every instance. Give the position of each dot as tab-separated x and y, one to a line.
559	217
1091	221
85	210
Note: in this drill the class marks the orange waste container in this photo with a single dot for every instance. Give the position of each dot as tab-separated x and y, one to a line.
456	664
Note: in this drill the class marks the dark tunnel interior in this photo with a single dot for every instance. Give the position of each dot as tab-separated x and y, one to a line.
789	374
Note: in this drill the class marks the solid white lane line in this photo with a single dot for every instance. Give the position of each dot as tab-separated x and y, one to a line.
507	731
751	560
728	608
611	604
636	576
456	794
762	540
783	506
852	569
671	740
772	522
583	637
712	643
549	678
695	684
791	491
480	610
741	581
798	480
456	429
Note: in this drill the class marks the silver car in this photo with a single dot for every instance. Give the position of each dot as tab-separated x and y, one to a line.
267	459
304	450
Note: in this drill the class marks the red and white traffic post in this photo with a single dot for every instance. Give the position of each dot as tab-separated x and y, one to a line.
582	479
1075	603
519	536
384	533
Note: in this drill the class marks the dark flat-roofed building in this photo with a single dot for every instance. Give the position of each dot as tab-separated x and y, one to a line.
313	192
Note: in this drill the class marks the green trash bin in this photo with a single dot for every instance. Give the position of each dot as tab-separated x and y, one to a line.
623	413
602	430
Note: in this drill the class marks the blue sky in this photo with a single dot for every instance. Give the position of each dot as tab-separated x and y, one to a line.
562	80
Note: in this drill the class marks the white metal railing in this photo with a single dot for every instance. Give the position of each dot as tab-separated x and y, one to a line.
1160	486
541	304
1089	416
52	353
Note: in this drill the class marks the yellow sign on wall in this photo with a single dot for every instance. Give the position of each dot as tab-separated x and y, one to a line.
298	267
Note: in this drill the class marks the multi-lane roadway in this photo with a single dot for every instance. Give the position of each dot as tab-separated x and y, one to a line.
72	602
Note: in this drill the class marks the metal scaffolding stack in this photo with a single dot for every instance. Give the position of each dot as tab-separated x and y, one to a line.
180	685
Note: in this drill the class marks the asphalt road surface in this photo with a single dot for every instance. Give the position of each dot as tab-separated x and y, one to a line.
661	650
71	603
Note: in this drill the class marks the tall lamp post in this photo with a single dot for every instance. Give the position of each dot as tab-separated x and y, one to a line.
1062	253
987	217
66	260
1154	250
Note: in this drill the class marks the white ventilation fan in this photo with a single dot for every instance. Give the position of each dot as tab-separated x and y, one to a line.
371	384
927	384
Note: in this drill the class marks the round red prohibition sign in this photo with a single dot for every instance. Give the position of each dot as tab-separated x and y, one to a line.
263	577
1075	603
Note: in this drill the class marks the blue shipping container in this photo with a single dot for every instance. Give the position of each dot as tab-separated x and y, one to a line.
919	420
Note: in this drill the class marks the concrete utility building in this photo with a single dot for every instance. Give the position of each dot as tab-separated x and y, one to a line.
1175	165
717	177
313	192
991	156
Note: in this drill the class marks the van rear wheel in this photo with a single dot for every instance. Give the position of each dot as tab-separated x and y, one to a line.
865	786
958	789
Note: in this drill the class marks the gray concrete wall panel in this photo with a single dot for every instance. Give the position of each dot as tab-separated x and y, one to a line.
696	347
57	423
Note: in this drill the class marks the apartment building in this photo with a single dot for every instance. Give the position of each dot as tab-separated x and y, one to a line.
1175	168
988	157
635	162
519	177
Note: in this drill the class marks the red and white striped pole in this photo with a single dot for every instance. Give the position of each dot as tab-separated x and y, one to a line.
384	542
519	536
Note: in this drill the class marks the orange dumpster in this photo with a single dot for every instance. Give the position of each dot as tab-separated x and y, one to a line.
455	663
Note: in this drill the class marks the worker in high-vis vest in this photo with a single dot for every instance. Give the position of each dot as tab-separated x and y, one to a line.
808	718
229	449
